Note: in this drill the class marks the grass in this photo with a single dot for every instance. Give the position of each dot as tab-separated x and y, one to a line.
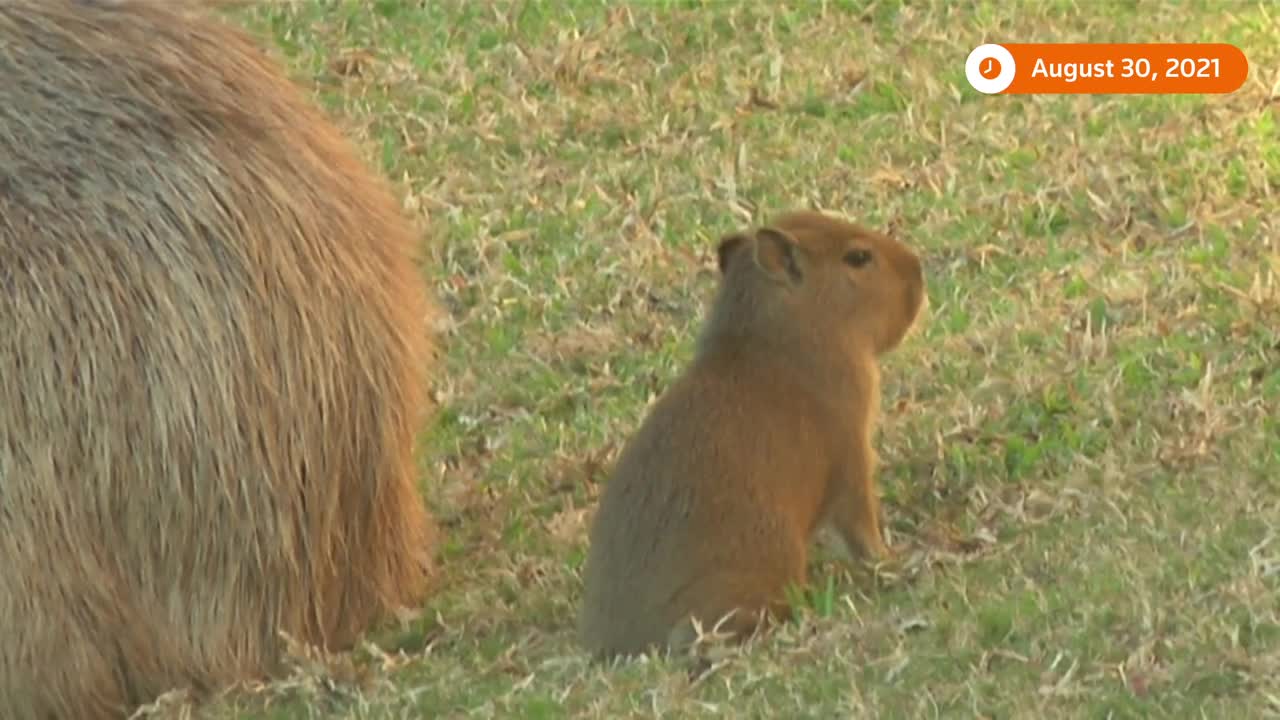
1081	448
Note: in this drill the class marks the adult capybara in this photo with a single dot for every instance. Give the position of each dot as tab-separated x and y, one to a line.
213	350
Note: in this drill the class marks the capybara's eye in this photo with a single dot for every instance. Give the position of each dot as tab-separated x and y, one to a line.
857	258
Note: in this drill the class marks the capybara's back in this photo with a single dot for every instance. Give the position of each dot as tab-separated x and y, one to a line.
213	345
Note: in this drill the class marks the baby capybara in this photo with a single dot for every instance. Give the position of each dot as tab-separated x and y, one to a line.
765	438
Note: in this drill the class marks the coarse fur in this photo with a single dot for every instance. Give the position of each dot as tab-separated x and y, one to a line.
766	437
214	344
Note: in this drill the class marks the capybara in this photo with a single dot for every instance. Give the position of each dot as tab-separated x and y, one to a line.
215	344
711	506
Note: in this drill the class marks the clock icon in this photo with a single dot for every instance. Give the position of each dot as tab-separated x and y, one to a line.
990	68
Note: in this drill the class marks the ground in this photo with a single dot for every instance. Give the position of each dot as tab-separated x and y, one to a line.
1081	445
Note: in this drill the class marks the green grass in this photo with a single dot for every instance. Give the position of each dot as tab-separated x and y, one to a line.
1081	447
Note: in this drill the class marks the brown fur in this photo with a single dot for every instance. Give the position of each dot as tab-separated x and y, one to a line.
213	338
766	437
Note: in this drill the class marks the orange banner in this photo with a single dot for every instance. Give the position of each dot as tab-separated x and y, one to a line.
1103	68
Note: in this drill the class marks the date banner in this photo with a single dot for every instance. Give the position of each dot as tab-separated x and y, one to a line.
1106	68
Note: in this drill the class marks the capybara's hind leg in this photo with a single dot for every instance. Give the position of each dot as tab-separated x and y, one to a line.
732	605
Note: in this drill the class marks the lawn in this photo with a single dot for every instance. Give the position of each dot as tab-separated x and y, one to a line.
1080	447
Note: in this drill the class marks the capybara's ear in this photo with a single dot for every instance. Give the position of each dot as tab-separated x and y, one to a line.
729	245
776	253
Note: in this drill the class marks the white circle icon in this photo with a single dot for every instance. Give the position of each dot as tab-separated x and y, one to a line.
989	68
